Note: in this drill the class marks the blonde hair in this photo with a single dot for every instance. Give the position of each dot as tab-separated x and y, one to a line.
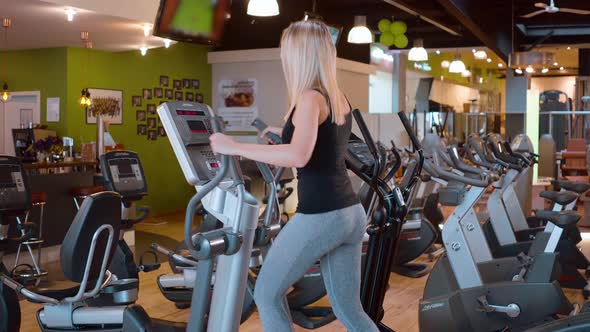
308	56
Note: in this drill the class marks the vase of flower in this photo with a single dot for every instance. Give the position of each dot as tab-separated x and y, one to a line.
102	107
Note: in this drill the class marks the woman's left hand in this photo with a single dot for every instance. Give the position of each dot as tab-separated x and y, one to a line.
223	144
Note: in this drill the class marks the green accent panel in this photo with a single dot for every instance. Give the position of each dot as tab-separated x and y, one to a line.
131	72
63	72
41	70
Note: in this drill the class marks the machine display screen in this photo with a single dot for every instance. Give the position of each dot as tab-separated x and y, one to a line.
197	126
6	177
185	112
125	170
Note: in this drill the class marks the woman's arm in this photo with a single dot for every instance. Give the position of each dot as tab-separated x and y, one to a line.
295	154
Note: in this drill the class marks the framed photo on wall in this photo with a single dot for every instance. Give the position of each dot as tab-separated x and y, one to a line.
177	84
152	135
140	116
178	95
151	109
199	98
161	131
164	80
189	96
152	123
186	83
158	92
147	94
136	101
117	95
169	94
141	130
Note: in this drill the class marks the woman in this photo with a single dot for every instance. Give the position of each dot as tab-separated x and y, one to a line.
330	222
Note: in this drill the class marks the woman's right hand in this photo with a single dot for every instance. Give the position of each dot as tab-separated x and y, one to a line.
270	129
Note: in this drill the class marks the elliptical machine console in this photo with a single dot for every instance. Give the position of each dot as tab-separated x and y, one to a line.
220	189
124	174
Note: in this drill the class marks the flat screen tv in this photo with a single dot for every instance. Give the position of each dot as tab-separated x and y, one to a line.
193	21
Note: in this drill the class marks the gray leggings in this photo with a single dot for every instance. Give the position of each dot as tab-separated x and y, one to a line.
335	238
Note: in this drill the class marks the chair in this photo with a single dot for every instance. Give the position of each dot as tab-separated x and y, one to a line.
574	158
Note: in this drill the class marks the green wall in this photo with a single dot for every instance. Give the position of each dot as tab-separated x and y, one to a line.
41	70
63	73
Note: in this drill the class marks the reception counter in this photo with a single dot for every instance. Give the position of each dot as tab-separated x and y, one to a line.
57	180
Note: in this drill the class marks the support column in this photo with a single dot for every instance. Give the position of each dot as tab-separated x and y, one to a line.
516	103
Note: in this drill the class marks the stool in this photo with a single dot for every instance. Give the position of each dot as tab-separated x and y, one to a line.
79	193
38	199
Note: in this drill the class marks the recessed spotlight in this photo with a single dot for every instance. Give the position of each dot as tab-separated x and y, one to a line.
518	71
473	50
147	29
167	43
530	69
556	64
143	50
500	65
437	52
544	70
480	80
70	14
445	64
569	48
489	60
480	55
561	68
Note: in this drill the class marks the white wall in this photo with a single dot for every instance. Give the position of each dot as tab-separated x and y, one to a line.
566	84
443	92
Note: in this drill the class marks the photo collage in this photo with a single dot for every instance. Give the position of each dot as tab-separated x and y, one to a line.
145	105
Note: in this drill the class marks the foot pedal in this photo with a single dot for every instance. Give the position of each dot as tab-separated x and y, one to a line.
149	267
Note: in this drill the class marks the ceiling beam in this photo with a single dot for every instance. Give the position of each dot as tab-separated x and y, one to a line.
482	24
416	12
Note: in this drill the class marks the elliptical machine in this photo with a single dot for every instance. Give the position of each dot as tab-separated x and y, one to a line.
365	160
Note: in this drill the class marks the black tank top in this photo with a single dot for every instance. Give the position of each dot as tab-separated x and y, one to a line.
323	184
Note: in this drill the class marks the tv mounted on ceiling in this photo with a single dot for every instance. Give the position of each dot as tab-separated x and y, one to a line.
193	21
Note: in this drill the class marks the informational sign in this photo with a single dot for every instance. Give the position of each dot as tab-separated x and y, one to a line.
238	106
53	109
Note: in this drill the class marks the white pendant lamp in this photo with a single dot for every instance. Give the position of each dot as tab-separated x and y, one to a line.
445	64
360	34
263	8
418	52
457	66
480	55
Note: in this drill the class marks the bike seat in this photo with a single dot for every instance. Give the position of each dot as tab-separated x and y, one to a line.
575	186
559	197
562	219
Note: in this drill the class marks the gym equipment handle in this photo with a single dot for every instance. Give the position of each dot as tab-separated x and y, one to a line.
365	132
409	130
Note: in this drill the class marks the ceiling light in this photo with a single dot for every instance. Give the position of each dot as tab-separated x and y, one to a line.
359	34
263	8
489	60
437	51
480	80
569	48
457	66
445	64
473	51
518	71
544	70
500	65
556	64
70	14
418	52
530	69
480	55
167	43
147	29
143	50
561	68
466	73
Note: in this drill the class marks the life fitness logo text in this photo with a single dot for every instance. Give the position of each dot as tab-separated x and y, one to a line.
432	306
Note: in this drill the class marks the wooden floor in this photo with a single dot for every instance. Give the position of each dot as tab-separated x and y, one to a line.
401	302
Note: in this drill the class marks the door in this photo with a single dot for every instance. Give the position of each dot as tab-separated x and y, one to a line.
22	109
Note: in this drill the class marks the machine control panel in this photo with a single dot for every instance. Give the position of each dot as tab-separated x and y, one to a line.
14	189
123	173
189	126
364	160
